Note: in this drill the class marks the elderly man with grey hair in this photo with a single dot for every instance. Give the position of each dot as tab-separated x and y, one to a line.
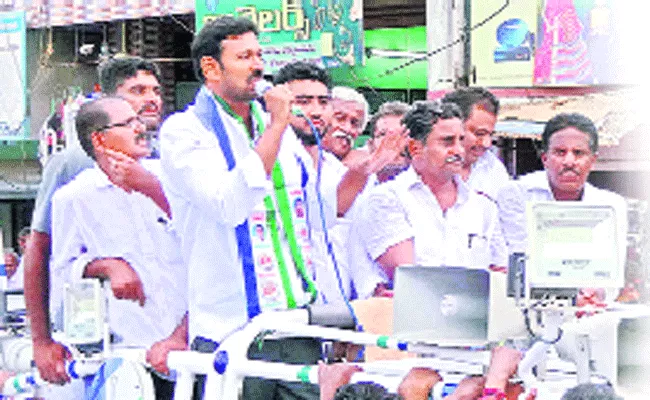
350	117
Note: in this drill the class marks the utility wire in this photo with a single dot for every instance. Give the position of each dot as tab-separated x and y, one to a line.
464	38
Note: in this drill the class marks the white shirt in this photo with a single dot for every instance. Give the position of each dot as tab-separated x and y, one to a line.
333	171
365	273
92	218
17	280
488	175
405	208
208	202
513	197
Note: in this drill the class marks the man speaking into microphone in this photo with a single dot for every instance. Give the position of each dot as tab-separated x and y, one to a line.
229	167
427	215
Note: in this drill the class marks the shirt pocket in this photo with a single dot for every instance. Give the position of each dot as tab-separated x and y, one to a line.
478	250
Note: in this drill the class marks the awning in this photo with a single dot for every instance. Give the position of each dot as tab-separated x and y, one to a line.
17	191
44	13
615	113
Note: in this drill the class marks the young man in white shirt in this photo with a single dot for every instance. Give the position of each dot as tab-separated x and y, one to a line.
228	167
427	215
482	169
104	228
569	152
311	86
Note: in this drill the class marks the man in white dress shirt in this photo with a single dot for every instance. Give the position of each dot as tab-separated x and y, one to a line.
228	167
137	81
569	152
105	229
482	169
311	86
367	278
427	215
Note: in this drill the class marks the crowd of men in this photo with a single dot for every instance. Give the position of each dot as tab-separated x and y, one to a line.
252	208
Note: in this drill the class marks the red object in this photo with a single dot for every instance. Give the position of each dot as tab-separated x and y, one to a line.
497	393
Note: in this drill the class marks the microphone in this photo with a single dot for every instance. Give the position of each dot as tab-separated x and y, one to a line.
262	86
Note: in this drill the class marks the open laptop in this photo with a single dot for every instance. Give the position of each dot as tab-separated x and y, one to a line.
453	307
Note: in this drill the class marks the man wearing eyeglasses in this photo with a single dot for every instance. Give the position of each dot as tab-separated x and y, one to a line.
428	215
104	229
137	81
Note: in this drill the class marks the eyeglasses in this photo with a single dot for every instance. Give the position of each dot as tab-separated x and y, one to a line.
132	122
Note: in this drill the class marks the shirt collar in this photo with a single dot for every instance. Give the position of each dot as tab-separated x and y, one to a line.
485	160
101	179
411	179
258	123
539	181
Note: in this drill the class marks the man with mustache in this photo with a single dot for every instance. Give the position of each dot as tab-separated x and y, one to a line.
137	81
366	276
350	113
569	152
428	215
143	92
482	170
103	229
228	166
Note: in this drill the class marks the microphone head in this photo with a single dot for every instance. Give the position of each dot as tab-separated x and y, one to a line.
262	86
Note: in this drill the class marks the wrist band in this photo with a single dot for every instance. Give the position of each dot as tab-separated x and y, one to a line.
497	393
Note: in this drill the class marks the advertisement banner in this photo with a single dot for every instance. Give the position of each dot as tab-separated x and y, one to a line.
579	42
553	43
328	33
12	85
502	51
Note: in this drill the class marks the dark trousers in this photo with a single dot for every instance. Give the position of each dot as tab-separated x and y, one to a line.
290	351
163	388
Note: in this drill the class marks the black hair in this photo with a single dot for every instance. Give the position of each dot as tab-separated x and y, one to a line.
467	98
92	116
113	72
25	231
423	115
208	41
394	108
591	391
302	71
572	120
